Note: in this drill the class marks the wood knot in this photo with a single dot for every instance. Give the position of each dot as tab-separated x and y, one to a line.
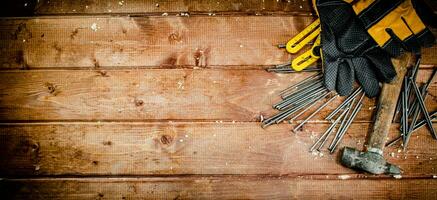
166	139
174	37
96	63
201	57
108	143
103	73
139	102
74	33
51	88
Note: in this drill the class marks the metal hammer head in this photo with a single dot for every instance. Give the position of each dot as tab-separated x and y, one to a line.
370	161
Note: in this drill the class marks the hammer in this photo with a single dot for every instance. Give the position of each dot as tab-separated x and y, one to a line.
371	159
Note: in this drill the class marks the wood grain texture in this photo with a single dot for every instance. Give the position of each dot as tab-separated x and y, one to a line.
105	41
179	148
145	41
149	7
51	7
219	188
152	94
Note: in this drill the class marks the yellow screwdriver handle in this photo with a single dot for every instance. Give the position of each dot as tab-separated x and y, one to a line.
304	37
306	59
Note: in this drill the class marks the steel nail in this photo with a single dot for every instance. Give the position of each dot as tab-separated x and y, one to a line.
414	118
345	102
424	110
343	123
433	116
320	91
290	112
404	119
391	143
303	89
314	113
348	123
303	111
300	96
306	80
418	125
329	130
340	127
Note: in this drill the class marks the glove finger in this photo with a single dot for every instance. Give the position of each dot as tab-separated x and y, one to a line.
394	46
425	38
425	11
345	79
366	76
381	64
330	74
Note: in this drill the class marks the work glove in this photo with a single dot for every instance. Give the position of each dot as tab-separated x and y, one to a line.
393	24
349	52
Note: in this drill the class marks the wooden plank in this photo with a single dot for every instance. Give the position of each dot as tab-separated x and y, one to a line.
146	41
152	94
51	7
149	7
219	188
105	41
178	148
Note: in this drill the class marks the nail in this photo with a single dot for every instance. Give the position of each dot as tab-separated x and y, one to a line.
331	127
349	122
314	113
404	119
304	88
342	124
306	80
290	112
304	111
345	102
424	110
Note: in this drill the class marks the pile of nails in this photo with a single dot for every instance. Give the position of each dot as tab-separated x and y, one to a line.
411	110
300	98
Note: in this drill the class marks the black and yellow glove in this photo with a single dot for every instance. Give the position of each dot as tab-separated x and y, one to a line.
348	52
393	24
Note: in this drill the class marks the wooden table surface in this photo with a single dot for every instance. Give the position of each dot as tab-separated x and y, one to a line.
141	99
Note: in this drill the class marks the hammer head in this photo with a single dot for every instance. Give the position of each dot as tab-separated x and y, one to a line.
369	161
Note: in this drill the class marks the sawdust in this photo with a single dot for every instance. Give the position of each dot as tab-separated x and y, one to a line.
397	176
344	177
94	27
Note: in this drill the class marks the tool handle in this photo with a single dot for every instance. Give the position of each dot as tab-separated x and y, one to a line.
304	37
387	104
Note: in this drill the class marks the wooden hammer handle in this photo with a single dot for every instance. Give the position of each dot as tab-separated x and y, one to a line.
387	104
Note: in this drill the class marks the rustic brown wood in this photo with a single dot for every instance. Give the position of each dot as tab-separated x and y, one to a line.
387	102
150	95
50	7
177	148
219	188
149	7
146	41
105	41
